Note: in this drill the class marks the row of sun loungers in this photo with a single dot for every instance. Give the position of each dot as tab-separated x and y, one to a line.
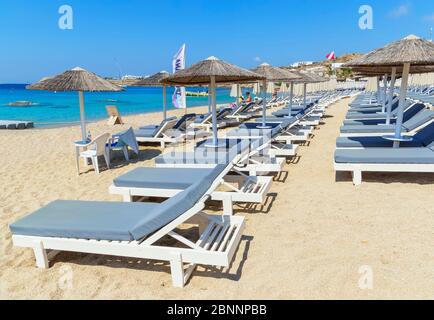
364	144
15	124
238	172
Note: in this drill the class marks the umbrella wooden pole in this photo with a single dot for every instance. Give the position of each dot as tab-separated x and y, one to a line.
264	104
384	93
264	107
164	102
214	111
304	95
291	97
391	93
402	97
238	94
378	90
82	116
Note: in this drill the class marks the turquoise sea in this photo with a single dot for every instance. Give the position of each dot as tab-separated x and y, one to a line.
61	108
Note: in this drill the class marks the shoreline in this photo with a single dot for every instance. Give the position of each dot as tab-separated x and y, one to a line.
77	123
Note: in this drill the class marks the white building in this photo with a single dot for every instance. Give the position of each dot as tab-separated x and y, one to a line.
337	65
131	77
301	63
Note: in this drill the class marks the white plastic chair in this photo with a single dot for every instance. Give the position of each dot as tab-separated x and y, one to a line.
94	149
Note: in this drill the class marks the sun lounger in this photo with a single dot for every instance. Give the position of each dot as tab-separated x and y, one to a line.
134	229
362	107
409	105
369	110
277	149
15	124
164	133
384	160
410	112
410	127
243	112
246	154
167	182
421	139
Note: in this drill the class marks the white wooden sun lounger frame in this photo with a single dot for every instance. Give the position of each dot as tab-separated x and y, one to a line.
217	243
357	169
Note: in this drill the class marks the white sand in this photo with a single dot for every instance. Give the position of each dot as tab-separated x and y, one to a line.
310	244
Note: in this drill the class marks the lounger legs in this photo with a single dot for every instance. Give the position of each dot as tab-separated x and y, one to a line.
95	164
107	159
40	255
177	270
127	198
357	177
227	206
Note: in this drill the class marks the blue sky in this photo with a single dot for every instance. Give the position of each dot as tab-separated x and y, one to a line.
142	36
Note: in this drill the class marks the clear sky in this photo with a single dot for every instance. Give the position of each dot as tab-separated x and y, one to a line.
140	37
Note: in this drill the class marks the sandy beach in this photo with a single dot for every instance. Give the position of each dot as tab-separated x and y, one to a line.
309	242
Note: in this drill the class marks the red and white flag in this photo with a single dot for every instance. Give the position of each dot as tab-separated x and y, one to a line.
331	56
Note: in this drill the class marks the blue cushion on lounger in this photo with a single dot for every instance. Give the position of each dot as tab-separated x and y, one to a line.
386	155
255	125
192	158
145	133
368	129
426	135
84	220
419	119
124	221
161	178
172	208
372	142
276	131
155	127
149	127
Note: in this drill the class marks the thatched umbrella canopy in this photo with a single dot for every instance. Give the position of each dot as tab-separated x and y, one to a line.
212	71
152	81
201	73
409	50
79	80
273	74
409	55
156	81
305	78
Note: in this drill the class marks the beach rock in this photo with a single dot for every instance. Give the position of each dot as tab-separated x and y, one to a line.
21	103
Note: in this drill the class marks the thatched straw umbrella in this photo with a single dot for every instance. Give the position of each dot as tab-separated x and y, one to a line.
304	78
409	55
156	81
79	80
272	74
211	72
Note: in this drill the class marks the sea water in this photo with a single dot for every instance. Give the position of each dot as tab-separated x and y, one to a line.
62	108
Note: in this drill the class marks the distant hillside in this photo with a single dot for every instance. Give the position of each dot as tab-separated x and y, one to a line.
347	57
325	67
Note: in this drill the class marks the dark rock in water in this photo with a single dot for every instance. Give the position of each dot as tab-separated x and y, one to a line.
21	103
